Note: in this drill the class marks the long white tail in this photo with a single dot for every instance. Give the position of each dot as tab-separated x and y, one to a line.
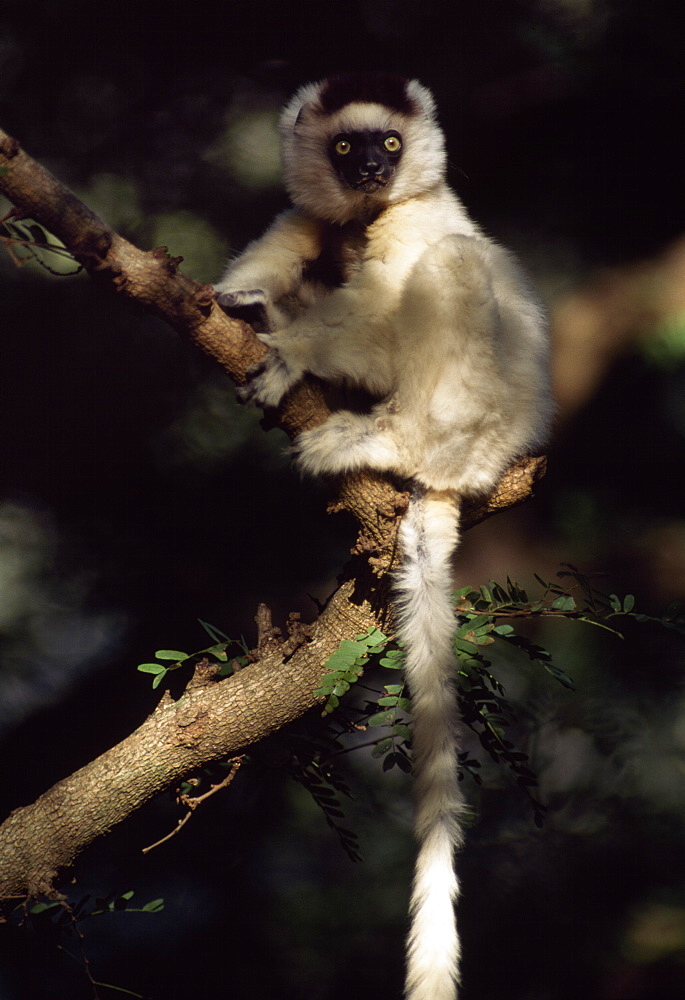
429	535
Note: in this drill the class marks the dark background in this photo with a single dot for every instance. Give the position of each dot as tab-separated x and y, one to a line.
136	497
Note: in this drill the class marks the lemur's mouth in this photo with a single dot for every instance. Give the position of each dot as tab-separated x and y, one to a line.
370	184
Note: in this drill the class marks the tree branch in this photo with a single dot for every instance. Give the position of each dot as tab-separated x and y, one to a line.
209	722
212	719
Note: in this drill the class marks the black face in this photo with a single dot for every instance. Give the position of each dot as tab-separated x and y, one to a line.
366	160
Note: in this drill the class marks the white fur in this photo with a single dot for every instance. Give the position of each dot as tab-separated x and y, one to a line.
429	536
438	322
306	133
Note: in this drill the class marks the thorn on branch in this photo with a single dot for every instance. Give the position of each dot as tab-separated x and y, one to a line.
162	254
9	146
204	297
298	634
205	673
269	637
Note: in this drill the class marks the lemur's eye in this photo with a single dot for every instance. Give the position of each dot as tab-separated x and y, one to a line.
392	143
342	147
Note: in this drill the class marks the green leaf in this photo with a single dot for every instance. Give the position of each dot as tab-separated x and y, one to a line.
402	730
559	675
171	654
628	603
401	704
565	603
373	637
215	633
382	748
503	629
42	907
472	624
354	672
381	719
463	646
331	704
394	688
218	652
151	668
159	678
347	653
517	594
464	628
403	763
483	639
393	660
498	592
154	906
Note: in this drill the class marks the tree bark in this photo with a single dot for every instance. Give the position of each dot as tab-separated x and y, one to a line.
212	719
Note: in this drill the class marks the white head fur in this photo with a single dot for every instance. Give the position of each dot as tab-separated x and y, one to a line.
319	111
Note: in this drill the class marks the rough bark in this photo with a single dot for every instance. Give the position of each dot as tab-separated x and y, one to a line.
211	720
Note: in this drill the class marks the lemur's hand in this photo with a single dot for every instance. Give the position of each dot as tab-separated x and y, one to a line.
271	378
251	305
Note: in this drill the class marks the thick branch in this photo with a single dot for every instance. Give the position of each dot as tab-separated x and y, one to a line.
150	279
209	722
212	720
